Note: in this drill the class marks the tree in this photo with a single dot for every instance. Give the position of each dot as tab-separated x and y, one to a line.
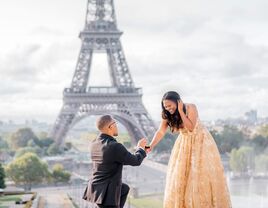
263	130
228	139
261	163
22	137
54	149
166	144
67	146
42	135
242	160
2	177
59	174
27	170
260	143
44	140
3	144
21	151
217	137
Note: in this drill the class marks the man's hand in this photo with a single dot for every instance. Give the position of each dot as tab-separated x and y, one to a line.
141	143
148	150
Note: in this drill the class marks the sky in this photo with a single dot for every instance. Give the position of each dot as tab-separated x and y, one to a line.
214	53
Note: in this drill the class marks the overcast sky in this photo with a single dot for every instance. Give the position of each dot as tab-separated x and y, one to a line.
214	53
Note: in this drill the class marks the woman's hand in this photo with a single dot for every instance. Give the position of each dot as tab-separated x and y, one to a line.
180	105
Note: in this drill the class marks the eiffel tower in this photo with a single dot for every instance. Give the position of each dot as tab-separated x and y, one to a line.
122	100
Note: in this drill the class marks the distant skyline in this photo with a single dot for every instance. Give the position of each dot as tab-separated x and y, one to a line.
214	53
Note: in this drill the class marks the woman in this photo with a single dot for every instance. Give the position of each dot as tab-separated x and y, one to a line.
195	176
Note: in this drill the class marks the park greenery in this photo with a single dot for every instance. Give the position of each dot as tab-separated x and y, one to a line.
25	140
2	177
59	175
247	153
29	169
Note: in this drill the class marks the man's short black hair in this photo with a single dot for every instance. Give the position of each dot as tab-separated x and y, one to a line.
103	121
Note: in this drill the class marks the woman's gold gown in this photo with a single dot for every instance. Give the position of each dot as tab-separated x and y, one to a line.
195	175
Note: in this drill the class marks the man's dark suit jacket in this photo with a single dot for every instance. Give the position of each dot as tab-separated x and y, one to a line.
108	157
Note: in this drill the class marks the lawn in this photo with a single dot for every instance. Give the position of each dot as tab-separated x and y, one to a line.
5	201
147	202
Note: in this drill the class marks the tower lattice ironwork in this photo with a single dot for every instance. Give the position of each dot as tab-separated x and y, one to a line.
122	100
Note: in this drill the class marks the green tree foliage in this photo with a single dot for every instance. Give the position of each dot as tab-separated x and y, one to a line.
42	135
166	144
217	137
3	144
24	140
2	177
67	146
27	170
22	137
21	151
242	159
261	162
260	143
228	139
54	149
263	130
59	174
44	140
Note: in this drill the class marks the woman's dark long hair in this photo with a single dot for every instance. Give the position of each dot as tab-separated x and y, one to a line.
174	120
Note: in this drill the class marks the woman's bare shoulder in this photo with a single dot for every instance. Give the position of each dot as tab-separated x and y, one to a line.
190	106
191	109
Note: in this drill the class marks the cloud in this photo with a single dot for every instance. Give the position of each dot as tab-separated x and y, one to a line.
16	64
214	53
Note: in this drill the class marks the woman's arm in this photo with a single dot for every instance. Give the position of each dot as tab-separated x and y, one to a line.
190	120
159	134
